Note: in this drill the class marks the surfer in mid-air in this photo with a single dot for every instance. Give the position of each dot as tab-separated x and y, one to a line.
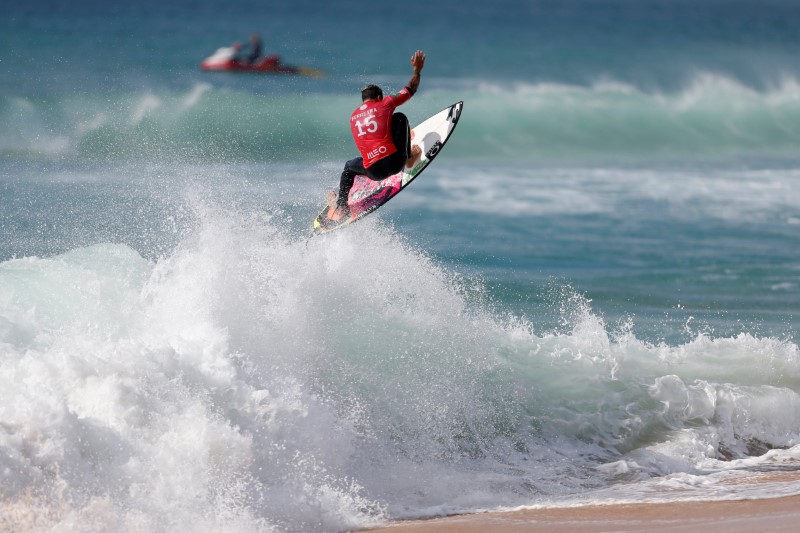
382	136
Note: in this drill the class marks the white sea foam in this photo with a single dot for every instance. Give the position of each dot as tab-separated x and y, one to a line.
193	97
249	381
740	196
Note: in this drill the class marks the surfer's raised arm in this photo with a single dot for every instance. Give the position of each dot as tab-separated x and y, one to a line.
417	62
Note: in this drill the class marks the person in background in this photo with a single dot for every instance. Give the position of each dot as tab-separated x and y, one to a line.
251	53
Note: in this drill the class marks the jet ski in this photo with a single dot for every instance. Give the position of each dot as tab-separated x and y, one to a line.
224	60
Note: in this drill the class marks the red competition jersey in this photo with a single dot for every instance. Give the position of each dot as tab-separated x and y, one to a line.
371	124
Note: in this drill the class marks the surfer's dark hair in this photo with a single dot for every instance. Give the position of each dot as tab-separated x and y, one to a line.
371	92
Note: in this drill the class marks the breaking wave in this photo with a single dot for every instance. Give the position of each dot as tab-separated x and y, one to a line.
250	381
712	115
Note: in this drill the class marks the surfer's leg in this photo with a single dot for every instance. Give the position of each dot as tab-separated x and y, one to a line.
386	166
351	169
401	134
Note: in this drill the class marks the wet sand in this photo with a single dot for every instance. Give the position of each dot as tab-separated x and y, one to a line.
775	514
737	516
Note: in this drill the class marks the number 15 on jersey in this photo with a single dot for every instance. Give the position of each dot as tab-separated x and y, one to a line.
368	125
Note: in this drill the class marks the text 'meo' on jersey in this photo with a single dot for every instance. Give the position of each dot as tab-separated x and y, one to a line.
371	125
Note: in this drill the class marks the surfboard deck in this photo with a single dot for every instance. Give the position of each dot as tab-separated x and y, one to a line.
366	195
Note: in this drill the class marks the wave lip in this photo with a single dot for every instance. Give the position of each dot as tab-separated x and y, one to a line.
713	115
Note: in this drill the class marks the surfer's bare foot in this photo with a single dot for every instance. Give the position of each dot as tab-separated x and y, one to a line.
331	198
415	153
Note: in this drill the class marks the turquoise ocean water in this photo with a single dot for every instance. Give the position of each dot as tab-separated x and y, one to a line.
592	295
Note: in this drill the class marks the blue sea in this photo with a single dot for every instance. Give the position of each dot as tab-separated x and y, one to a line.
592	295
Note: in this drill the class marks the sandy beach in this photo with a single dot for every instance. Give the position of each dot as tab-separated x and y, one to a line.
776	514
744	515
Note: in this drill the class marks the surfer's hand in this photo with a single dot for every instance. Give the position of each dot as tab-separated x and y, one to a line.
418	61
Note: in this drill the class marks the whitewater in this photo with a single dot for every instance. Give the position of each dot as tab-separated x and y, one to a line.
249	380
